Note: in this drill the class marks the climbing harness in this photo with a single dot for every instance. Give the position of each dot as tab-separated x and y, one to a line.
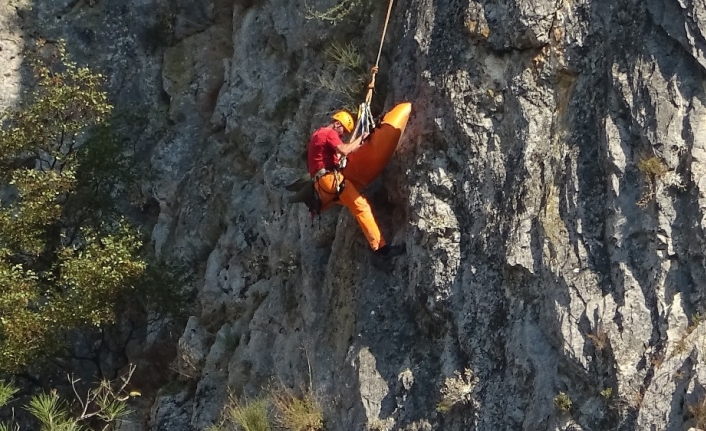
337	186
309	195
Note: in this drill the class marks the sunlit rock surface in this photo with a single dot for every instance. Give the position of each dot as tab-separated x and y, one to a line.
542	255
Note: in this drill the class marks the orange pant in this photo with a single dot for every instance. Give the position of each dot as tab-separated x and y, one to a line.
355	202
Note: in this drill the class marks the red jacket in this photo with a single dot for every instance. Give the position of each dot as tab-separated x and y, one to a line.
322	150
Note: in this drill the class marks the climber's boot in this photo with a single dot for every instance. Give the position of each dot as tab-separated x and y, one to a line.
390	251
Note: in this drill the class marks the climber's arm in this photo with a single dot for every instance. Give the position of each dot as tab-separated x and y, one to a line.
346	149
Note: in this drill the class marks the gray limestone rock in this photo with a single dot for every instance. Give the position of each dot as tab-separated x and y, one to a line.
544	254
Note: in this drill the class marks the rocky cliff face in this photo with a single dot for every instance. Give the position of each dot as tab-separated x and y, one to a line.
549	188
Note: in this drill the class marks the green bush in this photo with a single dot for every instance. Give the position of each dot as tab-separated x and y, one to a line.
562	402
7	391
103	407
348	86
607	393
66	254
652	166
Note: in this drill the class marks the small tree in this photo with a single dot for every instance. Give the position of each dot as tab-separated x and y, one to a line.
63	260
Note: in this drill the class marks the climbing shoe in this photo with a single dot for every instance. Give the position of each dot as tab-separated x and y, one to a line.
390	251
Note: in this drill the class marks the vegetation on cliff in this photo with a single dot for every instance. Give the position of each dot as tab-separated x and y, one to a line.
67	255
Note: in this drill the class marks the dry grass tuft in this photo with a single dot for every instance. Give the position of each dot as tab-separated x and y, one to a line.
599	338
562	402
698	411
637	398
652	166
248	415
297	413
377	424
457	390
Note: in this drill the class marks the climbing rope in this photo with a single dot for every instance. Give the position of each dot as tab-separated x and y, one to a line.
371	86
365	117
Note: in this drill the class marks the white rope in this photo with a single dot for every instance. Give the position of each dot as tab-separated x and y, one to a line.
365	118
384	30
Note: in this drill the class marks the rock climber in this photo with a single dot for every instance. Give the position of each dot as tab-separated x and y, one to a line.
324	150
